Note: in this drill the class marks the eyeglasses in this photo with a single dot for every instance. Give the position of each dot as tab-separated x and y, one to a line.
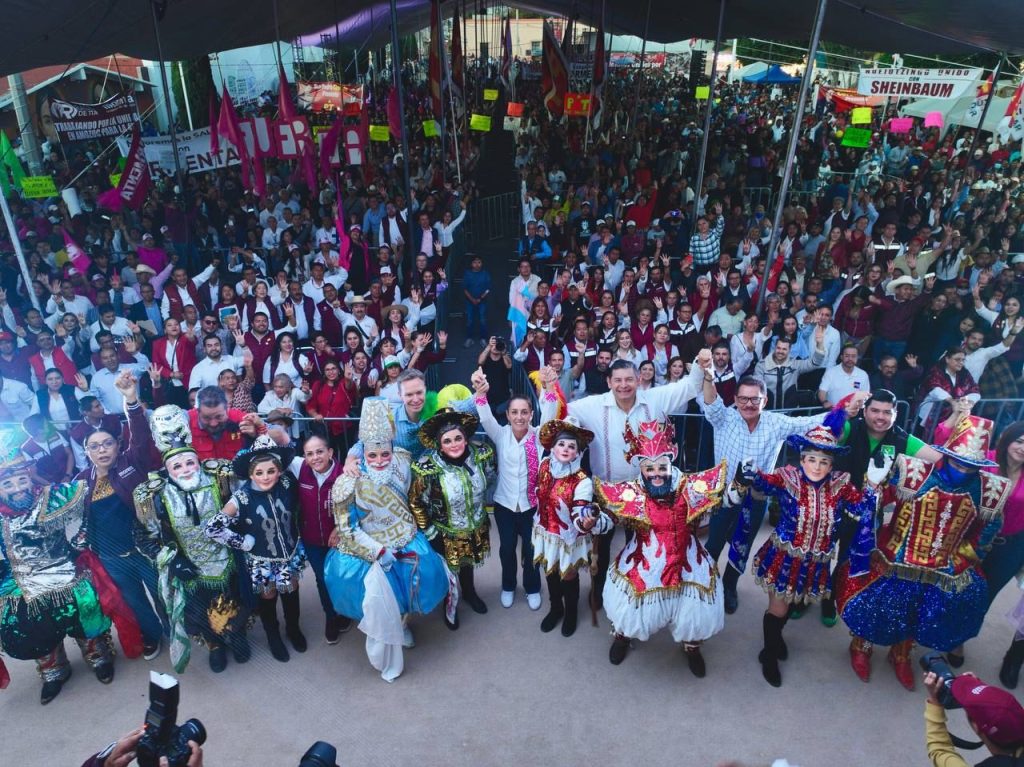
748	400
104	445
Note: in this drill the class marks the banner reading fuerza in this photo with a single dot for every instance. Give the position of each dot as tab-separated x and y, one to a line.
906	82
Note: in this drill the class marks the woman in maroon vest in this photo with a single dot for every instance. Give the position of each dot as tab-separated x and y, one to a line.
317	470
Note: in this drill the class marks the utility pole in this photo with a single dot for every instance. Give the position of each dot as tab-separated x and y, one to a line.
28	135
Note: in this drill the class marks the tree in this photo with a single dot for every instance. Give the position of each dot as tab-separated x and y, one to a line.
198	82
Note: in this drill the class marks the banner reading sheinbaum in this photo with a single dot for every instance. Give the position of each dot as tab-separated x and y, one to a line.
905	82
84	122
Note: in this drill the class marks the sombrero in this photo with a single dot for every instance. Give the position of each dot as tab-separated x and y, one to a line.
431	429
263	447
550	432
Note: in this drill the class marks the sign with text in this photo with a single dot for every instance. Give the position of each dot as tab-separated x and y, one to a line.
858	138
512	123
430	129
490	94
577	104
85	122
860	116
480	122
380	133
702	92
38	186
933	120
514	109
906	82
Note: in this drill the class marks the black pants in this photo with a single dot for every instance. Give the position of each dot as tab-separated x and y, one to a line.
317	555
513	527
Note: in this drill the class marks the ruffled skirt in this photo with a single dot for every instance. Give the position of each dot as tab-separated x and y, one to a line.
418	578
790	576
553	553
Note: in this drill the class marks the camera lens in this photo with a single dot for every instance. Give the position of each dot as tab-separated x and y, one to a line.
320	754
192	730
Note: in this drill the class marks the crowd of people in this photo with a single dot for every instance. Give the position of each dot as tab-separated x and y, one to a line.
187	394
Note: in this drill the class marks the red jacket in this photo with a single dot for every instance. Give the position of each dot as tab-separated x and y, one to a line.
330	402
226	446
60	361
184	354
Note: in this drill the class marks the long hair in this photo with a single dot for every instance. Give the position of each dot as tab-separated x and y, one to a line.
1010	434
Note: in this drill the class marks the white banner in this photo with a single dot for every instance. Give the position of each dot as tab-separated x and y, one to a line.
906	82
193	151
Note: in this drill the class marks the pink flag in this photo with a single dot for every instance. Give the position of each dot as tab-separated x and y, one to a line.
394	113
76	255
344	241
328	145
135	180
286	110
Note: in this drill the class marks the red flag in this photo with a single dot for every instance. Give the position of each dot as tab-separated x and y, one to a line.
135	180
458	63
597	81
285	107
286	110
229	128
344	241
986	87
567	35
394	113
76	256
214	133
328	144
434	68
555	71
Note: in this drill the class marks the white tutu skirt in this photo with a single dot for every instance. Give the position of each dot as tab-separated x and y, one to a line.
693	611
553	553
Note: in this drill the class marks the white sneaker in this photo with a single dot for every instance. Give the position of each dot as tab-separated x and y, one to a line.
507	598
408	640
533	600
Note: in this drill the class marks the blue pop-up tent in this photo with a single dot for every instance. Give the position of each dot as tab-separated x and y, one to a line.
773	76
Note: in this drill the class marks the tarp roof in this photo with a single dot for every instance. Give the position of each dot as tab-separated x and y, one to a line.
36	34
772	76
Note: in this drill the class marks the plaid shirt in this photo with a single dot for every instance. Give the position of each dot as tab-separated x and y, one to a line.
736	443
706	250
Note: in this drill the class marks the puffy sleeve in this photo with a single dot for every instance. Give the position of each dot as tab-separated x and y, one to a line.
353	539
423	477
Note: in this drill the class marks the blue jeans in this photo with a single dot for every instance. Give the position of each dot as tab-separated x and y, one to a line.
316	556
476	313
880	348
512	526
134	575
723	524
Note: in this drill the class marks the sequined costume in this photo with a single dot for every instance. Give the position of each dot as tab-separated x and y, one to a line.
49	591
266	528
794	563
925	584
663	576
197	575
564	495
448	500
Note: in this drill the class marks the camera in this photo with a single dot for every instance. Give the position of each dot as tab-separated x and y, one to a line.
163	736
937	664
499	345
320	754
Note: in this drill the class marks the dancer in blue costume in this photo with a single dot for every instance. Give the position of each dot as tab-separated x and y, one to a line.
380	547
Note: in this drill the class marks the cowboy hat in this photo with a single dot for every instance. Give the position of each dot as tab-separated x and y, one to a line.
263	447
552	430
431	429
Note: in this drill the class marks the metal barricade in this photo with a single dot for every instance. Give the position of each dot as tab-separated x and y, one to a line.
759	195
493	218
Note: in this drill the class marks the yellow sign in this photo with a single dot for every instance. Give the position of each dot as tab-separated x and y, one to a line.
115	179
860	116
38	186
480	122
490	94
379	133
430	128
702	93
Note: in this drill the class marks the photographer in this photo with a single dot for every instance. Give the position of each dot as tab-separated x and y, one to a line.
121	752
994	714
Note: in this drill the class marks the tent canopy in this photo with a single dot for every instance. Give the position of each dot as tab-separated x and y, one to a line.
773	75
71	31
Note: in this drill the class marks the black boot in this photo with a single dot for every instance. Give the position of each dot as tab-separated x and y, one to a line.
218	658
694	659
268	616
239	644
781	650
769	656
1009	672
469	595
571	600
555	595
730	578
617	652
290	603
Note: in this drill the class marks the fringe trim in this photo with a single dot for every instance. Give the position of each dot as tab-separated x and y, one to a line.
789	596
952	584
50	601
664	593
796	551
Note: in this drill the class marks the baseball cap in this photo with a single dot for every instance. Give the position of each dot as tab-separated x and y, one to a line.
385	270
145	268
5	336
995	712
630	223
390	360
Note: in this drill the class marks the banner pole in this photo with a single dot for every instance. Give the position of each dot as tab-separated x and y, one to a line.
988	102
699	186
640	72
794	137
396	66
167	100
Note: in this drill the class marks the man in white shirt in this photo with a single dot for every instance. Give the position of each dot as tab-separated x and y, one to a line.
833	341
181	279
978	356
359	319
17	402
314	286
118	326
102	385
843	379
515	497
67	301
607	414
206	371
729	317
